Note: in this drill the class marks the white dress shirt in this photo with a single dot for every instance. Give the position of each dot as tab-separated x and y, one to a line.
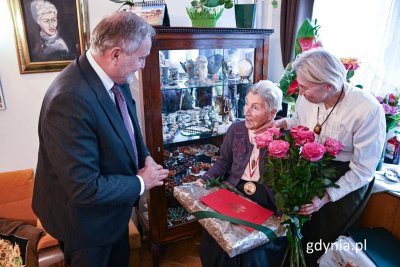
358	121
108	84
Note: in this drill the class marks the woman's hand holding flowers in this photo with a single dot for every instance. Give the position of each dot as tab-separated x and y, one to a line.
316	204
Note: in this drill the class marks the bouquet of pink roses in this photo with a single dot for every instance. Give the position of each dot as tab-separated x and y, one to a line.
296	170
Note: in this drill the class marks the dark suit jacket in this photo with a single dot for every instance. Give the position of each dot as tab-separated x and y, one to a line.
86	181
235	154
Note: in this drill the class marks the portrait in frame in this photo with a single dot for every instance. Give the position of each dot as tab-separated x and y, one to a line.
49	34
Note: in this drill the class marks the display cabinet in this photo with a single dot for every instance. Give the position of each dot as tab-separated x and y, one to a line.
194	85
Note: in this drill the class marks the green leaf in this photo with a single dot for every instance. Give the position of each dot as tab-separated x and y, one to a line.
228	5
211	3
349	74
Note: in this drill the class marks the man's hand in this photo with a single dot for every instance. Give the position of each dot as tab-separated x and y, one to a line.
317	203
152	173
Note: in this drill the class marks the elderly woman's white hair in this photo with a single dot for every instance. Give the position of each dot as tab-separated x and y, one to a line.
269	92
40	8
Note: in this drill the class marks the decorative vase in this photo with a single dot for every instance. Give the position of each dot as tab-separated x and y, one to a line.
204	17
204	22
245	13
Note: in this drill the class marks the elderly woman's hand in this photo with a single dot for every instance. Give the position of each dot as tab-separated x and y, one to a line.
317	203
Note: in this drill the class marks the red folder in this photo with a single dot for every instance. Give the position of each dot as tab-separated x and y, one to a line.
230	204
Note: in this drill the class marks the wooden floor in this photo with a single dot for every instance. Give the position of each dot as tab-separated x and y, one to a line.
177	254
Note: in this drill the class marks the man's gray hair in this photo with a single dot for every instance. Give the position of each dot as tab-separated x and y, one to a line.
269	92
40	8
319	66
123	29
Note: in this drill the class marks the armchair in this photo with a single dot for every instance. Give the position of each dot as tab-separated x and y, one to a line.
16	213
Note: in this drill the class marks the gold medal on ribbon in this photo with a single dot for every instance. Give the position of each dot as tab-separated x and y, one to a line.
249	188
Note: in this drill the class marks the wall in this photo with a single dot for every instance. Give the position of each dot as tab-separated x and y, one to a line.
24	93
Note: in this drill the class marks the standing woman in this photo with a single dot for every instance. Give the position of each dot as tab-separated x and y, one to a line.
334	108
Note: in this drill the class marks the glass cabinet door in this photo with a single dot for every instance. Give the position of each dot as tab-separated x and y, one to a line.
202	93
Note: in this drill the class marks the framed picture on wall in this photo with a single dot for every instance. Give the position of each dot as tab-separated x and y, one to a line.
49	34
2	103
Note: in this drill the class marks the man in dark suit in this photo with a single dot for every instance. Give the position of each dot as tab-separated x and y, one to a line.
93	164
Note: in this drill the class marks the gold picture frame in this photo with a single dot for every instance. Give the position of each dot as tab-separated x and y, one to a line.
49	34
2	101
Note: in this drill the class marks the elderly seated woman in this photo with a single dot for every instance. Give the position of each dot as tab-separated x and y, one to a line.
243	163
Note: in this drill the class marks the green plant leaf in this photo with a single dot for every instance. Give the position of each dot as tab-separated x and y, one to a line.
349	74
228	4
211	3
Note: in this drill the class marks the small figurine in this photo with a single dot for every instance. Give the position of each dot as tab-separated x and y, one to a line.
201	68
190	69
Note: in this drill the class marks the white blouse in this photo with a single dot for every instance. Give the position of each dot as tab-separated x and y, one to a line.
358	121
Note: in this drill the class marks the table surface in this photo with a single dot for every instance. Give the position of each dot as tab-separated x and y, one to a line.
384	185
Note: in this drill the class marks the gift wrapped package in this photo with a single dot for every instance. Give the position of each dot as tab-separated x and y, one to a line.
232	238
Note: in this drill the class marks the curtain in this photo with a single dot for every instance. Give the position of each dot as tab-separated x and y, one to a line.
368	30
293	13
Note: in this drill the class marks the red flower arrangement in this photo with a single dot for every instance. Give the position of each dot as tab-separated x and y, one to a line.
296	170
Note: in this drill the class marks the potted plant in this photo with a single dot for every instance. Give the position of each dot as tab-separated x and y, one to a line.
205	13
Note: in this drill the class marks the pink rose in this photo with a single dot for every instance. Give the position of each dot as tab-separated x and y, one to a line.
264	138
276	132
304	137
313	151
278	148
301	135
333	146
294	130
